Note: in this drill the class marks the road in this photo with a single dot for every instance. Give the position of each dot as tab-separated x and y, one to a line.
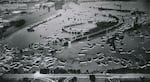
100	76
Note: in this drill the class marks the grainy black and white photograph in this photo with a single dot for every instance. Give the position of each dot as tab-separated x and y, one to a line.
74	40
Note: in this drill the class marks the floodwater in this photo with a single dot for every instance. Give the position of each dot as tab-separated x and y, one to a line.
22	38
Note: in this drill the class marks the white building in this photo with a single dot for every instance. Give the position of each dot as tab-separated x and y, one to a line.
4	23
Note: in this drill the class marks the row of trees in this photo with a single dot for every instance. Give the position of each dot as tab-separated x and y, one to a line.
60	71
18	23
102	25
145	70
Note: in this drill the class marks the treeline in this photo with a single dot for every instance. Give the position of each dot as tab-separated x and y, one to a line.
46	71
102	25
119	0
18	23
60	71
145	70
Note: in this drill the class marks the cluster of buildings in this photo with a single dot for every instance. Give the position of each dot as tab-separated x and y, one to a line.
3	25
18	1
14	6
29	60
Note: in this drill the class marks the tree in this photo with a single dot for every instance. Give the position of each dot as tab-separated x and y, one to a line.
61	80
74	79
92	78
18	23
26	80
44	71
